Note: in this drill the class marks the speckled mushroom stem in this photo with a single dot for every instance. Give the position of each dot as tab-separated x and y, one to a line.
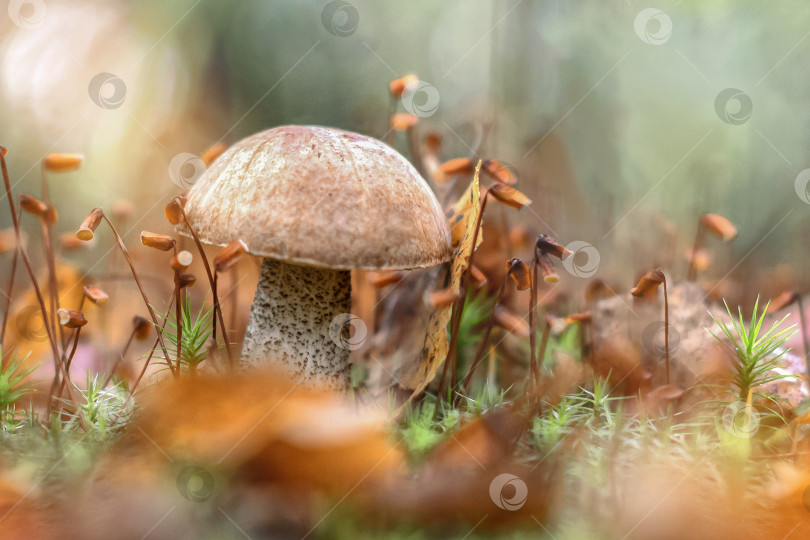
290	320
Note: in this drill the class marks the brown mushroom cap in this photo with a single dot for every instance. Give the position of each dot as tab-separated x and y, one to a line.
320	196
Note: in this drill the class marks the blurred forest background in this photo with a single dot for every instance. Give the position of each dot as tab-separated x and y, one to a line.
613	113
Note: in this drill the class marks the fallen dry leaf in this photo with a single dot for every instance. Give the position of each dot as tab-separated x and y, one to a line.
566	377
482	442
435	346
619	360
284	431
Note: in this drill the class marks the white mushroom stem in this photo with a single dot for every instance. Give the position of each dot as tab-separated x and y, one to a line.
299	321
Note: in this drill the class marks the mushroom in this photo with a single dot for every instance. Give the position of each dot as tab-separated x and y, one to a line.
316	203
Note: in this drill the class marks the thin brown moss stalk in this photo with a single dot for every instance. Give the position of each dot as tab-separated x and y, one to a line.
510	197
47	234
149	308
785	300
9	292
545	247
716	225
58	365
69	361
666	326
213	285
151	352
800	303
534	372
120	359
46	214
458	308
177	266
416	155
178	307
233	295
691	270
217	308
542	352
454	323
518	272
482	345
648	284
